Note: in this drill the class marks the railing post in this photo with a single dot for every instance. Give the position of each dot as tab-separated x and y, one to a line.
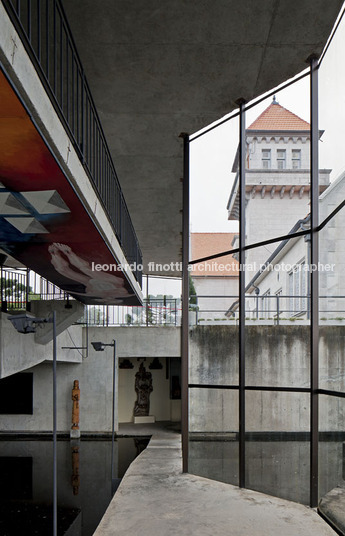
27	287
82	118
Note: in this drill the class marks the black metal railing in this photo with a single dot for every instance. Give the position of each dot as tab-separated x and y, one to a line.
154	312
273	309
22	286
44	30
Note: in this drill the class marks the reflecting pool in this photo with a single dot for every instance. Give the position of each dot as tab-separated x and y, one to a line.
274	466
85	483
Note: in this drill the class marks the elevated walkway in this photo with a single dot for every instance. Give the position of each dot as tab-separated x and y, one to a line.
155	497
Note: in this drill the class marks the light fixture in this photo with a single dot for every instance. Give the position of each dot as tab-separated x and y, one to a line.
26	323
99	346
126	364
156	364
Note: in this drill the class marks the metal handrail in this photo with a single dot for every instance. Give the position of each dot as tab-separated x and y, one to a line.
153	312
295	306
44	30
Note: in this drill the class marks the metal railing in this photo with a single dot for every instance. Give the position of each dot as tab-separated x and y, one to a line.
275	308
20	287
44	30
154	312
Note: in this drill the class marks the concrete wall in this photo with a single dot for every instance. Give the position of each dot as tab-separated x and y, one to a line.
95	377
276	356
19	352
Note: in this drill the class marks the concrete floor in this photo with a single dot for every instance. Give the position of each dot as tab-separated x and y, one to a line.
155	498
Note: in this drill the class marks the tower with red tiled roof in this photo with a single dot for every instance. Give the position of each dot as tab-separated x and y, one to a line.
278	118
277	175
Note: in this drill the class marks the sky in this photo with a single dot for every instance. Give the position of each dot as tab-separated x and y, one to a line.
212	155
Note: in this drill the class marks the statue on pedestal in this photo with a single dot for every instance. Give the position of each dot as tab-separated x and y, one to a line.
143	388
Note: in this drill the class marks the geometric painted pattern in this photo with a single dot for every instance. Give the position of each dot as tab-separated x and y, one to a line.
27	225
46	202
10	205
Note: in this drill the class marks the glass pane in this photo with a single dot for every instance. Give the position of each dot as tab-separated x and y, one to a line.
215	281
213	434
211	158
277	332
332	304
213	355
214	284
277	444
331	443
277	166
331	122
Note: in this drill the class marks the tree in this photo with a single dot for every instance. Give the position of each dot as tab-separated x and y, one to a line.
11	287
193	299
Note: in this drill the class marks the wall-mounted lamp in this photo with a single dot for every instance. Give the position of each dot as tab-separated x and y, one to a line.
99	346
26	322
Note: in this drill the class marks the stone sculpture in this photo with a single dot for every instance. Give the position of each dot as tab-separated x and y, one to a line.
143	388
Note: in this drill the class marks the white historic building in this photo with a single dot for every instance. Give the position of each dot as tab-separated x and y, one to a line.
277	177
277	203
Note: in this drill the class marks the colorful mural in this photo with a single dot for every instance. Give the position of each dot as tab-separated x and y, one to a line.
43	223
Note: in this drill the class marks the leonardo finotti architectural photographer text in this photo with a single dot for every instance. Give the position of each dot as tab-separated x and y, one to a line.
212	267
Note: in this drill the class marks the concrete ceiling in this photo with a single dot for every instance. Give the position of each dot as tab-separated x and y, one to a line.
157	68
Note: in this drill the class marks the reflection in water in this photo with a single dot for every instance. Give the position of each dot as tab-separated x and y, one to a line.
85	487
75	470
273	466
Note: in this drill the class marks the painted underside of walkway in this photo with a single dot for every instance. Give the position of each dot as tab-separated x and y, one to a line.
155	497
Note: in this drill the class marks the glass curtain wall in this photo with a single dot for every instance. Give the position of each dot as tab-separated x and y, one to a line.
267	388
276	347
332	262
213	340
